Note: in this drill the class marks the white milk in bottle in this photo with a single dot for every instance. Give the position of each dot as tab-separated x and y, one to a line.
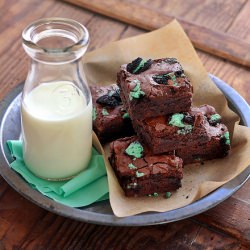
56	106
56	130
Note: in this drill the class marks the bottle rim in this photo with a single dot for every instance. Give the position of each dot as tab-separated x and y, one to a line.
78	33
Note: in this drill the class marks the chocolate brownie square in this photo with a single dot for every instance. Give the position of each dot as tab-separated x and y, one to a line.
217	147
141	173
154	87
110	119
175	131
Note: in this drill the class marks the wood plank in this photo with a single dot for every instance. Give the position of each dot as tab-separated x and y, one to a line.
243	193
42	234
215	14
3	188
131	31
214	241
76	235
210	41
241	25
231	216
236	77
102	30
180	234
4	226
18	216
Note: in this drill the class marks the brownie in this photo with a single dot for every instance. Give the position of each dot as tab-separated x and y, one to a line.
176	131
217	147
154	87
110	119
141	173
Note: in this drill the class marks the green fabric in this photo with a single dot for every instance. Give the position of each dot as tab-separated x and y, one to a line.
89	186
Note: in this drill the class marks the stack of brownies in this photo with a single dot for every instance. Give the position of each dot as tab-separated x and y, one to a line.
157	96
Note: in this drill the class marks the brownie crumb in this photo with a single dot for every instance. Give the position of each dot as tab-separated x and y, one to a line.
168	195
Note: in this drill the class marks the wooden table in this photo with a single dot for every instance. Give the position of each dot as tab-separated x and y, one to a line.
26	226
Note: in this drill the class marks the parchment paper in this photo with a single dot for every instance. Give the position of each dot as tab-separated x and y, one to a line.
101	67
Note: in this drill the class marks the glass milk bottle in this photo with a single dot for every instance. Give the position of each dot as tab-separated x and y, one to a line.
56	108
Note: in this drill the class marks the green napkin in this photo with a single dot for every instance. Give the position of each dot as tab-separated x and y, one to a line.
89	186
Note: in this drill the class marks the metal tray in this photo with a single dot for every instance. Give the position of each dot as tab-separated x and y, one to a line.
101	212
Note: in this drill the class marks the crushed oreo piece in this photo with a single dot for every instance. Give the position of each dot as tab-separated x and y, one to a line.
133	65
186	130
161	79
116	95
111	92
171	60
164	78
108	100
188	119
179	73
139	65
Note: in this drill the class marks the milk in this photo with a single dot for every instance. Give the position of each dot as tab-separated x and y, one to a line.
56	130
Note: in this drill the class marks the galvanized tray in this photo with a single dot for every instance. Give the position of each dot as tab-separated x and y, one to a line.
101	212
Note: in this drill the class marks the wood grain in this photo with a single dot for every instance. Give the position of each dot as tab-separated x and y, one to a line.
237	224
241	24
205	39
214	14
23	225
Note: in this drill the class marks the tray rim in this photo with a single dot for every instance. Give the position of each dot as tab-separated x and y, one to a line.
144	219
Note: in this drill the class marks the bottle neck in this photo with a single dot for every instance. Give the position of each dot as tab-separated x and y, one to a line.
45	73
